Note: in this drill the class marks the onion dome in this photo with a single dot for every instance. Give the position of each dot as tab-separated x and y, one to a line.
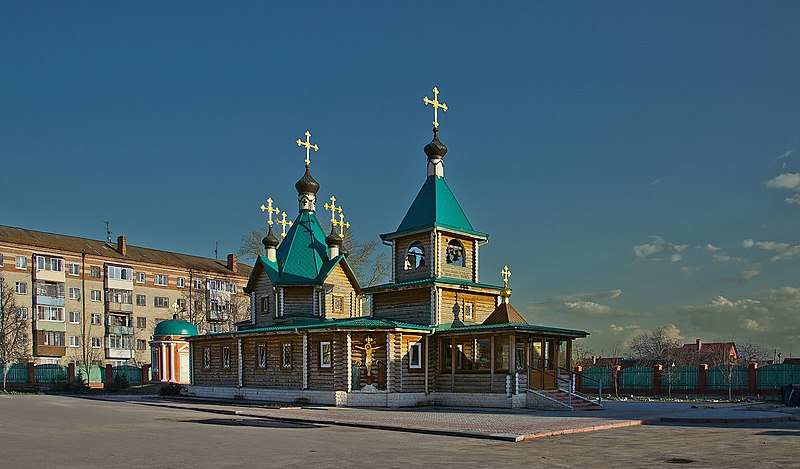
270	240
307	184
505	294
344	251
435	149
175	327
333	239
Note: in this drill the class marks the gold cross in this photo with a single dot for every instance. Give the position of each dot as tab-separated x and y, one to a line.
341	224
436	106
333	208
284	224
270	210
308	146
505	273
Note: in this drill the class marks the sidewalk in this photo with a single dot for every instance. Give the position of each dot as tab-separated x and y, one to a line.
495	424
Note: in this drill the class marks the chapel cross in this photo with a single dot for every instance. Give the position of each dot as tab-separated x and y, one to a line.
436	106
270	210
284	224
341	224
333	208
308	146
505	273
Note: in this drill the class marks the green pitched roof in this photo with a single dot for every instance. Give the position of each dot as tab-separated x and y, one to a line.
445	281
350	323
435	206
463	327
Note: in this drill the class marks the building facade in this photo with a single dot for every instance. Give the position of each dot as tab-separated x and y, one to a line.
99	302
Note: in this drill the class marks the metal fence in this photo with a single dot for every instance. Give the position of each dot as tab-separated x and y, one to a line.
17	373
50	373
97	374
682	378
636	377
775	376
604	375
132	373
723	377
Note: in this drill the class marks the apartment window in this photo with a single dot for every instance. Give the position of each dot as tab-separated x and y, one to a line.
338	304
415	356
96	342
233	288
181	304
181	282
325	355
262	356
286	355
22	313
94	272
74	341
206	358
119	296
50	313
139	277
21	288
74	269
74	293
226	357
160	280
141	323
49	263
265	304
97	295
74	317
198	284
215	327
120	273
161	302
1	260
114	341
53	339
468	311
141	300
22	262
23	338
141	344
97	319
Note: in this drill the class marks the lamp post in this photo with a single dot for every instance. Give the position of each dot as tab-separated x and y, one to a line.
669	379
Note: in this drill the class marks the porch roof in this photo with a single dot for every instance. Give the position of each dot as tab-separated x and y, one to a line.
468	327
443	281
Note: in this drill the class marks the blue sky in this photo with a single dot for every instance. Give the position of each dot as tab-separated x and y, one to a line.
635	163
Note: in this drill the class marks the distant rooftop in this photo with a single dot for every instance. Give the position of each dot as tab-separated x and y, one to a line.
94	247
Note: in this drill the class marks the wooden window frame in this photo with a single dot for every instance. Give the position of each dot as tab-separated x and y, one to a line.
411	365
322	354
226	357
261	356
333	303
207	358
286	346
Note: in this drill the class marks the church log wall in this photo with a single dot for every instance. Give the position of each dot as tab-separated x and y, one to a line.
455	270
407	305
264	290
413	379
319	378
483	304
215	374
298	301
401	246
273	375
341	288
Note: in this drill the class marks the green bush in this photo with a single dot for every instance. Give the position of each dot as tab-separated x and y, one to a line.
121	383
170	389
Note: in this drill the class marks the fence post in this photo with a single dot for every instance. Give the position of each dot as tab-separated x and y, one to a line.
752	378
658	370
70	373
702	379
145	373
615	378
109	376
578	381
31	374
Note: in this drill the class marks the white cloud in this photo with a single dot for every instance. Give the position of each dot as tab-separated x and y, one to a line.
659	244
587	307
783	251
789	181
675	257
785	155
644	250
718	257
794	200
590	296
712	248
689	270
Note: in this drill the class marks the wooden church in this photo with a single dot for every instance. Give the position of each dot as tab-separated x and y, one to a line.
434	334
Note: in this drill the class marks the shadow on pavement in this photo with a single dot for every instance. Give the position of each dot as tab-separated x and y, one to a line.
252	423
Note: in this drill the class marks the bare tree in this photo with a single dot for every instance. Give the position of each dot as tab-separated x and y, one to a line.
724	359
13	343
750	352
581	355
87	355
657	344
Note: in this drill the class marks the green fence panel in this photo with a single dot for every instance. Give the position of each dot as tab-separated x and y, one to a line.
96	374
683	378
636	377
132	373
775	376
720	376
600	374
17	373
50	373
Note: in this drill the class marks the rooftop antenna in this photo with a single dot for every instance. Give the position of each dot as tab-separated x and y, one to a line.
216	250
108	231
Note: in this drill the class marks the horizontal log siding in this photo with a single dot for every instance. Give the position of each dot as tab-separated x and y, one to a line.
215	375
479	382
455	270
401	248
483	304
320	379
433	365
264	290
413	379
341	287
412	306
273	376
298	301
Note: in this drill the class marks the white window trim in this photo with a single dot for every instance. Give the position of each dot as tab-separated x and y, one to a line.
411	364
322	354
98	341
91	297
181	282
24	261
69	269
99	317
77	314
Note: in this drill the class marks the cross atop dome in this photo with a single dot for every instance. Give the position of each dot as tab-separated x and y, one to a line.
436	106
308	146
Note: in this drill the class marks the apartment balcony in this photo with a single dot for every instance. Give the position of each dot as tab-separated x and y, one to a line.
119	353
216	316
44	344
50	300
43	325
120	330
119	307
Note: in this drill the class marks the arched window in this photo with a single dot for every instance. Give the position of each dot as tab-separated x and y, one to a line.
415	257
455	253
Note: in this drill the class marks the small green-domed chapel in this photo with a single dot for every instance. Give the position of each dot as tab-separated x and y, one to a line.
434	334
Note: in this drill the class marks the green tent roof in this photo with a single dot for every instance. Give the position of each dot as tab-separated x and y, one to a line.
435	206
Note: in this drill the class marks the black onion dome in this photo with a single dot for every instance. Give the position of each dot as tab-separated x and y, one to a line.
435	149
343	251
270	240
307	184
333	239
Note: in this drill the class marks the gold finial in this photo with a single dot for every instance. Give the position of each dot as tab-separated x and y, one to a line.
308	146
270	210
284	224
333	208
506	292
341	224
436	106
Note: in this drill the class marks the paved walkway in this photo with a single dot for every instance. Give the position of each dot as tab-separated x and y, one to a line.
497	424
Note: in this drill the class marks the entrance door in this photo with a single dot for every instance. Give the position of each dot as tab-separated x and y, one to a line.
541	373
184	367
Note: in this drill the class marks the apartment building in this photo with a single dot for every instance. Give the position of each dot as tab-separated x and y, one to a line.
96	301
